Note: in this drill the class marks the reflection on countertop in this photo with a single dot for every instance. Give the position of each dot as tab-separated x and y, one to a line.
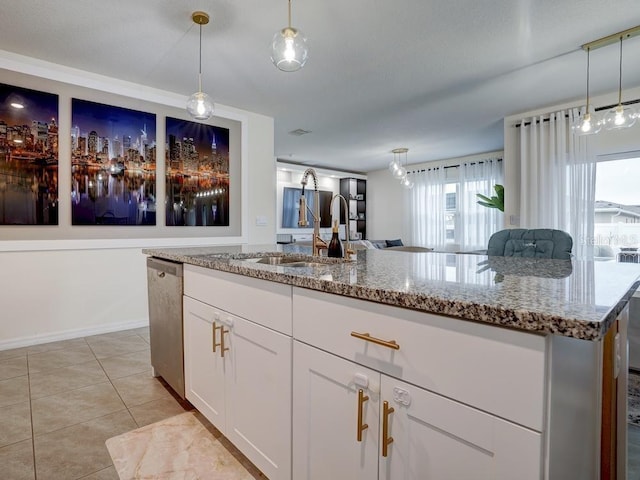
575	298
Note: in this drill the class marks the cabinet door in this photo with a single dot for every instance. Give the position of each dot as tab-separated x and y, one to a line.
325	417
434	437
203	368
258	386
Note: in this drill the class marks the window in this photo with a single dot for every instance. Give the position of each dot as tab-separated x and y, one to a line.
444	210
617	210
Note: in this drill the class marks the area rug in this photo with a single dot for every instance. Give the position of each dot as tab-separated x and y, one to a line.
633	400
179	447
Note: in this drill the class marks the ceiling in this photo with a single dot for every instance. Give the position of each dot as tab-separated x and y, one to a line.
435	76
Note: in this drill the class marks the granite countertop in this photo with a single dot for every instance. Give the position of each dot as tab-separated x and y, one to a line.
574	298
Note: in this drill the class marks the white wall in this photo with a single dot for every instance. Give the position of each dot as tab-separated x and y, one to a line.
386	199
604	143
56	289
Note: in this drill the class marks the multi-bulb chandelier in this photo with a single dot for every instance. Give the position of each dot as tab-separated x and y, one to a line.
397	170
621	116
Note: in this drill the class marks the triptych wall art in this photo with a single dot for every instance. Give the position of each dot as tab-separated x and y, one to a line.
112	166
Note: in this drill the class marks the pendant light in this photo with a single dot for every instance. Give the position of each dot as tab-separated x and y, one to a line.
398	172
587	122
289	49
200	105
620	116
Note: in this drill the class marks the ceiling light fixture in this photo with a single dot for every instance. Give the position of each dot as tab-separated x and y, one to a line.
587	122
200	105
397	170
620	116
289	49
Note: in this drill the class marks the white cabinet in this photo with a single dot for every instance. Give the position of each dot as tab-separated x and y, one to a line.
325	417
238	375
435	437
426	435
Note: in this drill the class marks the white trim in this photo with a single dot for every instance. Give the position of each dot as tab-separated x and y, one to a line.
618	156
69	334
115	243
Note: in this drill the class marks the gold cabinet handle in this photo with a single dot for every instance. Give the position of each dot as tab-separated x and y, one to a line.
361	426
386	439
214	328
222	347
377	341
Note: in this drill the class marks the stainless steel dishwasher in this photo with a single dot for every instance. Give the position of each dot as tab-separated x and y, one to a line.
164	282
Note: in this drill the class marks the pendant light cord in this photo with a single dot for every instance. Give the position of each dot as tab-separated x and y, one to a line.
588	55
620	82
200	63
289	13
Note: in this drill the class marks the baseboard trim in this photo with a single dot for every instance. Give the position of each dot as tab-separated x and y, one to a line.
69	334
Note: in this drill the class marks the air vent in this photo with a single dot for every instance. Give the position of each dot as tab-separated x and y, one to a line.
299	132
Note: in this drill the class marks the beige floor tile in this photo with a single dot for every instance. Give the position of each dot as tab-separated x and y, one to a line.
142	331
16	461
145	337
79	450
40	362
13	353
155	411
129	364
15	423
14	390
140	388
60	345
13	367
73	407
51	382
108	473
112	347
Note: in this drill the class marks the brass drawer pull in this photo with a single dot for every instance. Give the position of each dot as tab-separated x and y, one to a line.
361	426
214	336
386	439
377	341
222	347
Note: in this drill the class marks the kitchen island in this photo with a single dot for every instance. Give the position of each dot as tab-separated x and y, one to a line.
405	365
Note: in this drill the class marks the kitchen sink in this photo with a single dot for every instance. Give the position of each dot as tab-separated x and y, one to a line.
284	261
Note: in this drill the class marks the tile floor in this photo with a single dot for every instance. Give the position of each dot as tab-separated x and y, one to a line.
60	401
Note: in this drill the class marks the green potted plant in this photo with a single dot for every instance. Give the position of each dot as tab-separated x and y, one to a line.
496	201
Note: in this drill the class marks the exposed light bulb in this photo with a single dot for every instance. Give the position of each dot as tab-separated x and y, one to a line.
586	123
619	118
200	108
17	105
289	51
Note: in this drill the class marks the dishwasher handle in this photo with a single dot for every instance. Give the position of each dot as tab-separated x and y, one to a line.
164	267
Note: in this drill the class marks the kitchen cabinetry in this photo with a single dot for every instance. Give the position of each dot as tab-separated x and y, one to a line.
237	371
427	434
354	190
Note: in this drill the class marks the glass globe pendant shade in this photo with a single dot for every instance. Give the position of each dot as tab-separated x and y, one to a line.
587	123
399	173
289	49
394	165
406	183
200	106
619	117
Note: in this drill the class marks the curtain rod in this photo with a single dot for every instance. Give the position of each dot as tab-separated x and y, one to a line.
599	109
454	166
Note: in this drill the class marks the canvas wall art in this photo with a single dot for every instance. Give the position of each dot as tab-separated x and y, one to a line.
197	174
113	165
28	156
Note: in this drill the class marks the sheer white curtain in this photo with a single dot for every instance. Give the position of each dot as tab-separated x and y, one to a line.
427	207
477	223
557	179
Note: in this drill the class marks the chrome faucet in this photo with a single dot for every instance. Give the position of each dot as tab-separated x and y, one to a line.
317	242
348	251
